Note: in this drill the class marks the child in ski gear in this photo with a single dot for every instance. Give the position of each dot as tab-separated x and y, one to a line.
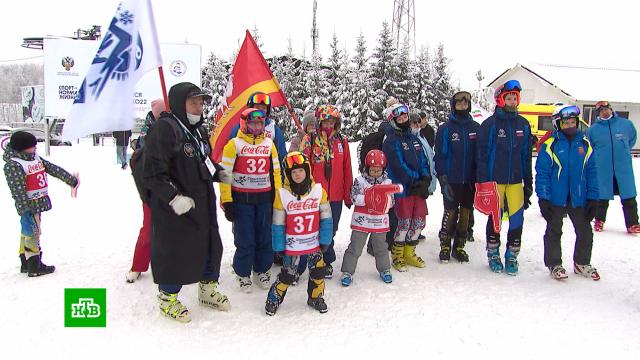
178	174
302	225
504	164
409	167
567	181
328	152
456	168
371	194
26	175
252	158
142	252
612	138
308	126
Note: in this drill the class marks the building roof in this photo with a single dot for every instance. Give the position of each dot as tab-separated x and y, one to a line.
590	83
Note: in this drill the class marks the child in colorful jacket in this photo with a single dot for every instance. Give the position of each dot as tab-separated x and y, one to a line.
567	182
26	175
372	196
302	225
252	159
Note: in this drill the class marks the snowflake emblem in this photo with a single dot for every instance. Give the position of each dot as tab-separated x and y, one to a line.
126	17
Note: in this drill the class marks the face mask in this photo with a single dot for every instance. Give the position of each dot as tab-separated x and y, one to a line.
607	118
415	131
193	119
403	126
327	131
570	131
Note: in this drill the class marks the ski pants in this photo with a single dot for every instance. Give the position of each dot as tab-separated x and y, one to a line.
252	238
315	286
329	256
457	213
30	231
584	236
354	250
142	252
629	208
511	203
411	212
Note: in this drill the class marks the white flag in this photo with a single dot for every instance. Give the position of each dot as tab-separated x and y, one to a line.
128	50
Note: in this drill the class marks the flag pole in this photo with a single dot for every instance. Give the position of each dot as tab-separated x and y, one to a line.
164	89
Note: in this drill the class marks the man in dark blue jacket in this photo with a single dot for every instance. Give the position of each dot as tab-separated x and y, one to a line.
567	181
456	169
504	158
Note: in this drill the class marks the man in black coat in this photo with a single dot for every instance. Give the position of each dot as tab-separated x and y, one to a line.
122	141
185	239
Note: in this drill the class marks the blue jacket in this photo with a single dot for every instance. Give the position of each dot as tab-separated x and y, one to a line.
456	149
566	170
278	139
612	141
406	160
503	150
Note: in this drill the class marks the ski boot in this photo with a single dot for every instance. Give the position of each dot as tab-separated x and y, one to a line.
386	276
245	283
318	304
586	271
23	264
411	258
397	257
346	279
172	307
558	272
209	295
495	263
511	262
328	272
598	225
274	299
634	229
458	252
263	279
445	249
36	268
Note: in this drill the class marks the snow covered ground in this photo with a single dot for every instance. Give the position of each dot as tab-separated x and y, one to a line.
443	311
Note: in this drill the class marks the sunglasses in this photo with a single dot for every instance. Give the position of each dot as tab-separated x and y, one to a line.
567	113
295	158
260	99
601	104
512	85
256	115
462	96
402	109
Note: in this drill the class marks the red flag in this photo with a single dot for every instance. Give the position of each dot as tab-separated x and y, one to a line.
250	74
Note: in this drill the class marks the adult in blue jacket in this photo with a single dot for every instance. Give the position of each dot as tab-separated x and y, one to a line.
456	168
504	157
567	181
612	138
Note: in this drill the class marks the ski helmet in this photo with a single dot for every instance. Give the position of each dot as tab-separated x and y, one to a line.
510	87
297	160
563	112
460	96
396	110
375	158
252	115
259	98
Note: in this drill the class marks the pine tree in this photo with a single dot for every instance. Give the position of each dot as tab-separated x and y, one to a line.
442	88
382	70
404	84
316	84
285	71
335	70
215	75
360	96
423	96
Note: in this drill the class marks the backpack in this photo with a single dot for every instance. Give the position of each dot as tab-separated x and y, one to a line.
370	142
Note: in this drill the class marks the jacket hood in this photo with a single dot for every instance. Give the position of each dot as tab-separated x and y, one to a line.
177	99
12	153
505	115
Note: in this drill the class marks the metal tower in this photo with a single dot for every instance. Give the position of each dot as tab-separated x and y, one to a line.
314	29
404	23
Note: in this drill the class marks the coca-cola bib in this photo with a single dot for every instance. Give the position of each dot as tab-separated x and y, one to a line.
251	171
36	177
302	221
367	219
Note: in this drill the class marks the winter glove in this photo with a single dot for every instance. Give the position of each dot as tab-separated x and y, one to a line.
546	209
74	189
418	188
447	190
590	209
528	192
225	176
182	204
228	211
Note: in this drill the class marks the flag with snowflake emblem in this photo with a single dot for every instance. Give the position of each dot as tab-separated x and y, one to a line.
129	49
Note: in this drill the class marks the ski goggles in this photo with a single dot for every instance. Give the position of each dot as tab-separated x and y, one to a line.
294	158
512	85
462	96
327	112
260	99
402	109
602	104
254	115
567	113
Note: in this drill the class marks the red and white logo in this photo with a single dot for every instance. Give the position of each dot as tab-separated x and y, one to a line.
308	204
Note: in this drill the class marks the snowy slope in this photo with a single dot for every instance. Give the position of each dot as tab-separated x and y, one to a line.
443	311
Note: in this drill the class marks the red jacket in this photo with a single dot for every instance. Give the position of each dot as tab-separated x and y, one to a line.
338	187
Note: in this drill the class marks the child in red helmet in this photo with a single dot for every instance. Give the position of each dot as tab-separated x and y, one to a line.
371	194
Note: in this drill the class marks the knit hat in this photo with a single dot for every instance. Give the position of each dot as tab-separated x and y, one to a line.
22	140
157	106
308	118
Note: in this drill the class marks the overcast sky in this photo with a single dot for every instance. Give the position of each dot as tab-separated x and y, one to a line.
484	34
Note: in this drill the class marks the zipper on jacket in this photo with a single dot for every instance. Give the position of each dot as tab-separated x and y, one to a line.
464	155
613	164
510	150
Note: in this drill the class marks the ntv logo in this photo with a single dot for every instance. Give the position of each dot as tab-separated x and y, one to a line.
85	307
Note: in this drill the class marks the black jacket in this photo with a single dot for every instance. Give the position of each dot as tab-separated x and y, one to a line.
173	165
122	137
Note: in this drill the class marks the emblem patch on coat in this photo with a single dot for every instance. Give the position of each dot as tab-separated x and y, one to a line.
519	133
189	150
455	137
472	136
502	133
581	150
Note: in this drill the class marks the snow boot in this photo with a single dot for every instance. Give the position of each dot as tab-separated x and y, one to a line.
346	279
511	262
445	248
263	279
245	283
172	307
37	268
23	264
411	258
558	272
598	225
209	295
495	263
397	257
386	276
458	252
318	304
275	297
132	276
586	271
